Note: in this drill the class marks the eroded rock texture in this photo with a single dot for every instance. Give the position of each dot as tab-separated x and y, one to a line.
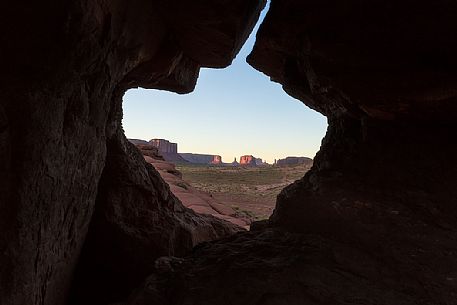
64	69
374	221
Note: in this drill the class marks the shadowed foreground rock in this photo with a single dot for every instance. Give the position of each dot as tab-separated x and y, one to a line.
274	267
374	220
136	220
64	69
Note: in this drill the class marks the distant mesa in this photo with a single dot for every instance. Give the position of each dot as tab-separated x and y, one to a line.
294	161
202	158
248	160
168	150
260	162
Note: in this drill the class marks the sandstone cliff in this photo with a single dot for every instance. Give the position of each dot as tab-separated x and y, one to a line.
199	201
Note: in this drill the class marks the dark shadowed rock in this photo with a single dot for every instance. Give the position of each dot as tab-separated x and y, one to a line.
374	220
132	226
138	142
65	67
276	268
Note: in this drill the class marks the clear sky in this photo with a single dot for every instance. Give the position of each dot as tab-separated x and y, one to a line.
232	112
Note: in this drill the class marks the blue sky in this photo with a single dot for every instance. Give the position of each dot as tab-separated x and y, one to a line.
232	112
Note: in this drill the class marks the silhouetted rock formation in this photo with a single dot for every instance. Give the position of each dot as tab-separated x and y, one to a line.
294	161
373	222
65	68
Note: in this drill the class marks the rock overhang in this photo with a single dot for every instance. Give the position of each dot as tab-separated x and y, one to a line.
381	59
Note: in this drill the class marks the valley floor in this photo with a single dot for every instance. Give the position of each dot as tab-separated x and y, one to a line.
250	191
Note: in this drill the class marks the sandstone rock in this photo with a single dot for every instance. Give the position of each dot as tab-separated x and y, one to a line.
150	151
164	146
168	150
374	220
247	160
199	201
132	225
201	158
65	68
138	142
294	161
217	160
385	60
284	268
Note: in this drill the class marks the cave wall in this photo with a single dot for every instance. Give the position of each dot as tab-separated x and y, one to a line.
65	66
384	74
374	220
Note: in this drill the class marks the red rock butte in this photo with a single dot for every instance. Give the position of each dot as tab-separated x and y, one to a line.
248	160
217	160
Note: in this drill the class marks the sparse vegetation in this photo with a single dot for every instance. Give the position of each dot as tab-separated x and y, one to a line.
249	190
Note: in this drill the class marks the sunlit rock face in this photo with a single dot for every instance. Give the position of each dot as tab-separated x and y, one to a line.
247	160
65	67
374	220
217	160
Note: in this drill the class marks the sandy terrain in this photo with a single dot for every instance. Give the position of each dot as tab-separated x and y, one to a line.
251	191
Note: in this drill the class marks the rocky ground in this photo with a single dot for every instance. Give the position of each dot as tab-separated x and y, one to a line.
251	191
194	198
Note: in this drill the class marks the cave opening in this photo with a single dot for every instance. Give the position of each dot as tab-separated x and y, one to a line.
231	145
85	220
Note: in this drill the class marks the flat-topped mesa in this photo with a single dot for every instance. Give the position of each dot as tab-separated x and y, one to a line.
168	150
294	161
201	158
